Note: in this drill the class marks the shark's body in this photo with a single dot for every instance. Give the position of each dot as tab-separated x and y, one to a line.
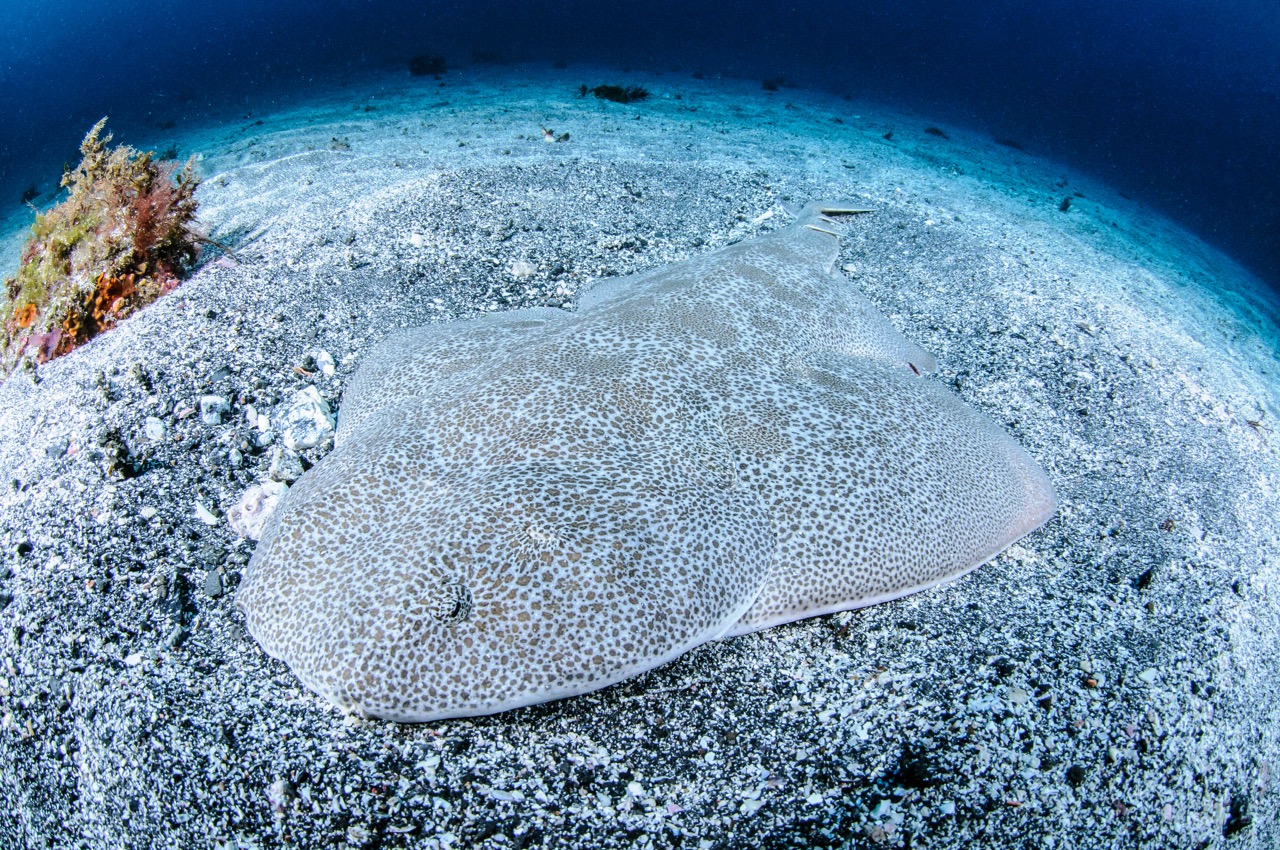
537	504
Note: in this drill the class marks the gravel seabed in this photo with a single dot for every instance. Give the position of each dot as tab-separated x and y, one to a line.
1111	681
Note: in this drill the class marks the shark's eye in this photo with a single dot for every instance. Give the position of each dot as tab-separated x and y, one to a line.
452	602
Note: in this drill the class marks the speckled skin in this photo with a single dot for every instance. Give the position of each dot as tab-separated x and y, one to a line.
536	504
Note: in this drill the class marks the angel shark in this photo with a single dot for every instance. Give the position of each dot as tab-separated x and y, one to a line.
536	504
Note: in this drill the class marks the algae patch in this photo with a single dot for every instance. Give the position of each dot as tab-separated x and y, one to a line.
124	236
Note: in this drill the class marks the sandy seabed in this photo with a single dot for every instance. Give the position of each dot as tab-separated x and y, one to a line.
1111	681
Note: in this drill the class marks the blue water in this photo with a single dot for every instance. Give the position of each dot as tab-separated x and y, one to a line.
1173	102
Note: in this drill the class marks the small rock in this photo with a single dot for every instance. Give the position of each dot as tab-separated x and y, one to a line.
175	601
147	512
57	448
205	515
154	429
324	362
523	269
285	465
307	421
257	420
260	422
1075	775
279	793
1149	675
133	659
358	834
211	409
213	587
158	587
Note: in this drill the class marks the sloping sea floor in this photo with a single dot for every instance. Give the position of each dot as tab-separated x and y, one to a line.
1111	681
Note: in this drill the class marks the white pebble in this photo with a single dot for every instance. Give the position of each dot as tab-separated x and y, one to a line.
1149	675
147	512
205	515
325	361
307	421
211	409
523	268
154	429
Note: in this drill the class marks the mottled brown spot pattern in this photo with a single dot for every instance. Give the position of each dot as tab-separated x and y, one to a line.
538	504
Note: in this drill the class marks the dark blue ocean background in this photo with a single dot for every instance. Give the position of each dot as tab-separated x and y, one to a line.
1173	102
